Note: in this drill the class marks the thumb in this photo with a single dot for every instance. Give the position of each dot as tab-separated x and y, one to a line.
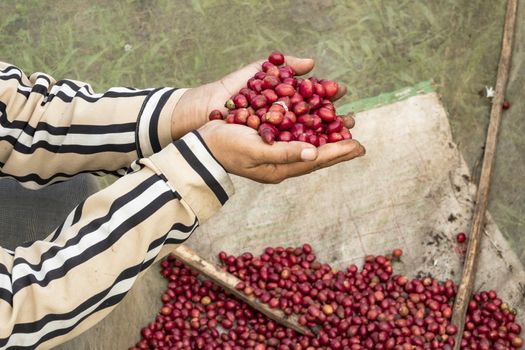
300	65
237	80
289	152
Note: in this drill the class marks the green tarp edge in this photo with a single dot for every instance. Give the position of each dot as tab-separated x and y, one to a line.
420	88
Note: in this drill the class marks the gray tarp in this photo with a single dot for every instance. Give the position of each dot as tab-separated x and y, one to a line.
26	215
412	190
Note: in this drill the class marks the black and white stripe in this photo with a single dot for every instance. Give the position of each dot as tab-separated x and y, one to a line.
6	289
30	335
66	90
92	239
12	72
71	220
62	140
71	143
81	135
62	130
86	237
93	225
83	139
41	87
177	234
35	182
196	153
148	122
135	166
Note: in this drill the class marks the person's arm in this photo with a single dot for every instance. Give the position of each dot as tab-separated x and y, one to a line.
51	130
54	289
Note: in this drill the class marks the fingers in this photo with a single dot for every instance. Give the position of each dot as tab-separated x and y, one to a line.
330	151
255	66
329	154
236	80
348	120
286	153
341	91
301	66
348	156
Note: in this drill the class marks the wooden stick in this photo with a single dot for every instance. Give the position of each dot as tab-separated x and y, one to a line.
469	269
229	281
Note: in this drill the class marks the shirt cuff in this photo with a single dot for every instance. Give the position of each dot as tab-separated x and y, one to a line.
192	171
153	131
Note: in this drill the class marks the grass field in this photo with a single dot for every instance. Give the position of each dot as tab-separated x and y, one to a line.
373	46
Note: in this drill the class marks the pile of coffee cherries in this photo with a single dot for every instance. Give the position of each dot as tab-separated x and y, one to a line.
283	107
367	308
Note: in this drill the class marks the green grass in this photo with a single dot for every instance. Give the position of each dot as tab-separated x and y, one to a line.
373	46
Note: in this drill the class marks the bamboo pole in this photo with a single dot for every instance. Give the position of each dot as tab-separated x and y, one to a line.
469	269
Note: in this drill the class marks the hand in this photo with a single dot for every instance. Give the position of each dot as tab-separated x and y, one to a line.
196	104
241	151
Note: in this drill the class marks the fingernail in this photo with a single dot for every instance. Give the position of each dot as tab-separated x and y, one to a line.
309	154
364	150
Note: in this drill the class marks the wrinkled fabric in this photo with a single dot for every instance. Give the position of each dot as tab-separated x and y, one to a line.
27	215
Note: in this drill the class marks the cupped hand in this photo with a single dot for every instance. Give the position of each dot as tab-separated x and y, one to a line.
241	151
196	104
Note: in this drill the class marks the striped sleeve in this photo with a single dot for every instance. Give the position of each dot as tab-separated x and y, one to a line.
52	130
54	289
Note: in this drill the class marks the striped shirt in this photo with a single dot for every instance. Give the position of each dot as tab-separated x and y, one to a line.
52	290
